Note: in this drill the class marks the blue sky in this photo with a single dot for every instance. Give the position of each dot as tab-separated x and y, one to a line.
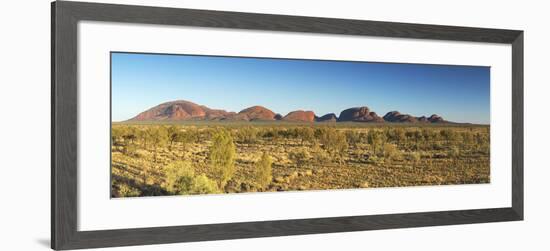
141	81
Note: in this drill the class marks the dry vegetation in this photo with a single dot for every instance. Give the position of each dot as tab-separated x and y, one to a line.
204	158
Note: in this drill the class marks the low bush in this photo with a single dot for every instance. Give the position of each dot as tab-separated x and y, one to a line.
333	141
300	157
263	171
247	135
125	190
320	156
390	151
181	179
453	152
414	157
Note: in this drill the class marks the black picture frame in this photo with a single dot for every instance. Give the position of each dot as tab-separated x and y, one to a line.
65	16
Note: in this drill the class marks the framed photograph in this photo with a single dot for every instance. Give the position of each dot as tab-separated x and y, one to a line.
176	125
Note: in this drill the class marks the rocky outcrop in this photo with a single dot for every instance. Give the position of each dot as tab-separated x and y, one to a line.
396	117
359	114
300	116
257	113
180	110
436	119
185	110
331	117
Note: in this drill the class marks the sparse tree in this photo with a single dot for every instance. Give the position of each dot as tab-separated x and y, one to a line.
116	133
145	136
222	156
159	138
130	134
174	135
262	172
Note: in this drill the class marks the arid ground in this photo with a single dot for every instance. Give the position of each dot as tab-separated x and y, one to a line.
154	159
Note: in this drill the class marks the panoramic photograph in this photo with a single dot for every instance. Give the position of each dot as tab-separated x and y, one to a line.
195	125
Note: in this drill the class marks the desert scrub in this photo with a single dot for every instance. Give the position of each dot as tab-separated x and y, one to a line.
396	135
306	134
247	135
174	135
157	137
204	185
181	179
449	135
376	140
300	157
453	152
353	138
320	156
263	172
414	157
222	156
375	160
125	190
390	152
333	141
134	164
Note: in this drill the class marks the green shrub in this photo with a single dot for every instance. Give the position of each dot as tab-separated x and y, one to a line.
222	156
203	185
181	179
263	172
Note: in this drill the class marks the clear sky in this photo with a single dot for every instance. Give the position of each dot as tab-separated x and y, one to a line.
141	81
